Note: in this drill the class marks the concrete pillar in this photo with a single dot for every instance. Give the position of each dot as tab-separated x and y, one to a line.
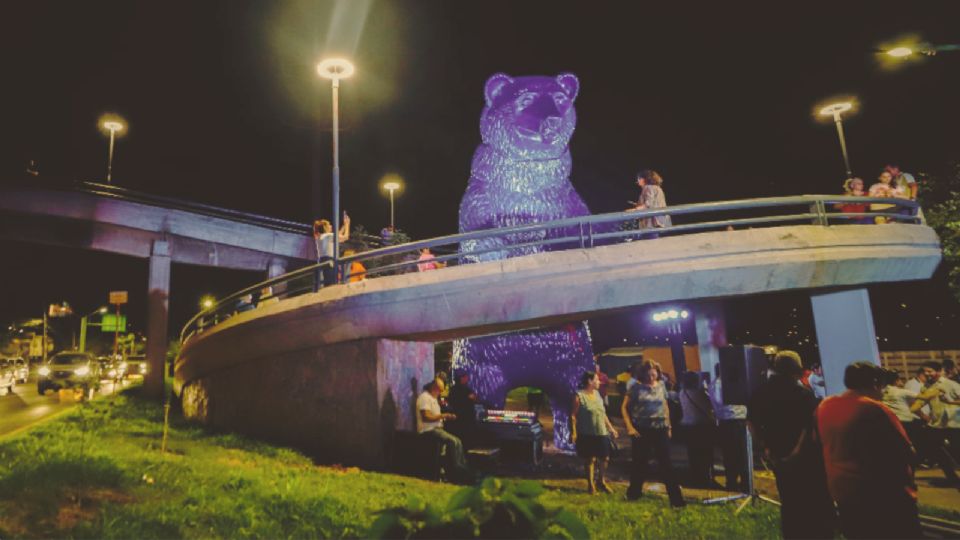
158	298
711	326
845	333
341	403
276	268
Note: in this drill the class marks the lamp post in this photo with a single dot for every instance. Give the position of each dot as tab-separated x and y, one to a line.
926	50
83	326
835	110
115	126
391	184
336	69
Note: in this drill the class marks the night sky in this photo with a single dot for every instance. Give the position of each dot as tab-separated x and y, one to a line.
225	107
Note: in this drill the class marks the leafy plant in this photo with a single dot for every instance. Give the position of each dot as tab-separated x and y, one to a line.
494	509
940	198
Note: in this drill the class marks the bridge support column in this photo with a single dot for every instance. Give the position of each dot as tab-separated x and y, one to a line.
158	299
845	333
341	403
711	325
276	268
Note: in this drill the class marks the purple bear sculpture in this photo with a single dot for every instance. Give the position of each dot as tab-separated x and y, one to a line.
521	174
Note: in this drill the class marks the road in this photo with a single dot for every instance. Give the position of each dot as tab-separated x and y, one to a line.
25	407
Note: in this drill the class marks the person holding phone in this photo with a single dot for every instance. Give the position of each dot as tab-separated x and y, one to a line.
323	238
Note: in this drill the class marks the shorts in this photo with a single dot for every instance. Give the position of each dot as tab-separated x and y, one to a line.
593	446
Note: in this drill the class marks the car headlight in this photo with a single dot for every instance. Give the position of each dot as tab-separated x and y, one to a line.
82	371
43	371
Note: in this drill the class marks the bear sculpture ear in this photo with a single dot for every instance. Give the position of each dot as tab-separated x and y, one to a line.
495	86
570	84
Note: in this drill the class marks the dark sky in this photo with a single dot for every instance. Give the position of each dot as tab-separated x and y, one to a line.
224	105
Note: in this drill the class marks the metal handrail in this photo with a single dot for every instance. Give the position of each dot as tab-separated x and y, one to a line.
576	232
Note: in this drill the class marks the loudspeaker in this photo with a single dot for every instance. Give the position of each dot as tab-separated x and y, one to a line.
742	370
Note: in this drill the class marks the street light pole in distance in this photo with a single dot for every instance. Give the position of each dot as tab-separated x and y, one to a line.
392	183
114	126
336	69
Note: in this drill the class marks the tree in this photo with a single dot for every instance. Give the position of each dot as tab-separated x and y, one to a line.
940	197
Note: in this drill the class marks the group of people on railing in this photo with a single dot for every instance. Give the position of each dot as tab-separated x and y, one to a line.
891	183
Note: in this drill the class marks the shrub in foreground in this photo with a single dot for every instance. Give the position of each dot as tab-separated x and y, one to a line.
494	509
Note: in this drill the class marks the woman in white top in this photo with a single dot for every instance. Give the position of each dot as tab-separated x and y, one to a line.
323	238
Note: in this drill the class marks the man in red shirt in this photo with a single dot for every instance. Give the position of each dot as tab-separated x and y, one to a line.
869	459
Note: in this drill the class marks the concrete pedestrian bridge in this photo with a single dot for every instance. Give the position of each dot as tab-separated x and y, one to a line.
102	217
335	371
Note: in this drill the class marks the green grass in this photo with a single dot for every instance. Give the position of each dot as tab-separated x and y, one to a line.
97	472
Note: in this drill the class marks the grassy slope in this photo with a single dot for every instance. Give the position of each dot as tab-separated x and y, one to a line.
98	472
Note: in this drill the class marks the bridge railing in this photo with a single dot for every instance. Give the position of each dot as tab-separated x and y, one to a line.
571	233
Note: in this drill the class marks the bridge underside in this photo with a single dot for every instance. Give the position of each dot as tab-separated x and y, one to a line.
539	290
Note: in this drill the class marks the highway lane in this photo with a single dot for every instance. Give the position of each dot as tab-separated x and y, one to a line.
26	407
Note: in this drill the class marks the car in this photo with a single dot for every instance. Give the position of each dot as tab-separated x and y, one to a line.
111	369
22	369
8	375
135	365
69	370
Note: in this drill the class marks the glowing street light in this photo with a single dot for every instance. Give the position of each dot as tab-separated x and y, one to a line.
926	49
102	310
336	69
207	302
900	52
835	110
115	126
391	183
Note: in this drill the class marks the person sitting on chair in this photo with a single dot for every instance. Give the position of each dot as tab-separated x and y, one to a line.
430	424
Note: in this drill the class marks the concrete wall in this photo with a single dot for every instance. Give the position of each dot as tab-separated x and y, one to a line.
340	403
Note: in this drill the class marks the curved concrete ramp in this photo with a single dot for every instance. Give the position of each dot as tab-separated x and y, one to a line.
237	374
551	288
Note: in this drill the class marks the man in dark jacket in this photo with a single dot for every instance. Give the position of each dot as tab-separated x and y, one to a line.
781	414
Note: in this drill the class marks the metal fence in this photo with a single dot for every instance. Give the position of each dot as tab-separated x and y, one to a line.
572	233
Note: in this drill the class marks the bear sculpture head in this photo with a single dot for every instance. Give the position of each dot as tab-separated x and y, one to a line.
529	118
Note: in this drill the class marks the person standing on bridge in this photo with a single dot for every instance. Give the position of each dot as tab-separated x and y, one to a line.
323	238
651	198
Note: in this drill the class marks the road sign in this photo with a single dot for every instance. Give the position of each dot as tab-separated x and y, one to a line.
59	310
118	297
109	323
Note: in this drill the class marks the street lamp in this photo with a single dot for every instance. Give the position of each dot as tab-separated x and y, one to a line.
391	183
336	69
835	110
115	126
904	51
83	326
